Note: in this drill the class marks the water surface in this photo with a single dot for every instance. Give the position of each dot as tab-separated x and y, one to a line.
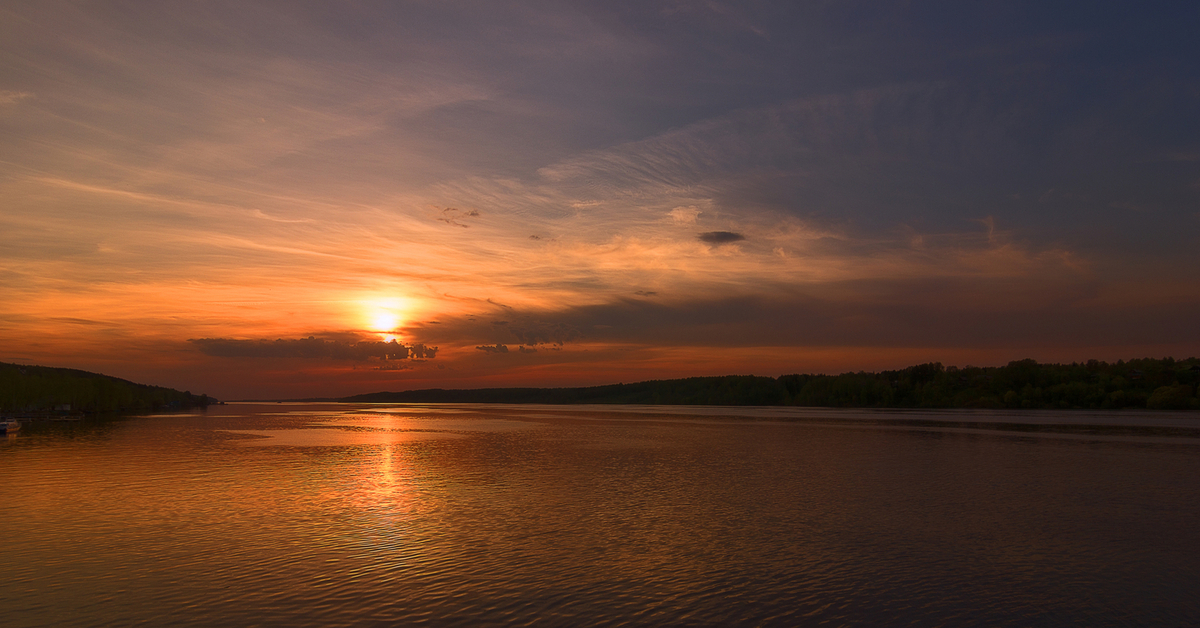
290	514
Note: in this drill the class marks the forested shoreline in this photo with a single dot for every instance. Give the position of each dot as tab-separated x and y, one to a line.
41	389
1157	384
1163	384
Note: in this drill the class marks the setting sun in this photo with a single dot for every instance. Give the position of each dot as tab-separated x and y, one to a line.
384	316
384	321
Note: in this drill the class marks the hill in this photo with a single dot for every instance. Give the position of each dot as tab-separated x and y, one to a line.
1144	383
46	389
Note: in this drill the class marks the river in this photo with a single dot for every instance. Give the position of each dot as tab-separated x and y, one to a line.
330	514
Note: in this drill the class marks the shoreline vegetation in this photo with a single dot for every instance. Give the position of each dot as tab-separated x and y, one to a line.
32	391
1156	384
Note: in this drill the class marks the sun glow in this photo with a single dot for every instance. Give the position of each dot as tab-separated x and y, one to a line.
385	322
384	316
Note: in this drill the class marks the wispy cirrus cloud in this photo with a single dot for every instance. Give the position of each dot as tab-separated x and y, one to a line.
10	97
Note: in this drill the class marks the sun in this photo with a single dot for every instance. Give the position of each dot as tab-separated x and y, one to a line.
384	316
384	322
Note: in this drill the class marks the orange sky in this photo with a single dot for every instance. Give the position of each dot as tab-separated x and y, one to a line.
571	195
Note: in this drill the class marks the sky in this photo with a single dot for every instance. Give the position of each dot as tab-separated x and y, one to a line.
295	199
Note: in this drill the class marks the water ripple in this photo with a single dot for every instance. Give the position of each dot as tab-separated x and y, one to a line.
495	516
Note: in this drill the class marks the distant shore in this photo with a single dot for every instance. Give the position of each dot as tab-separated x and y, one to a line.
1154	384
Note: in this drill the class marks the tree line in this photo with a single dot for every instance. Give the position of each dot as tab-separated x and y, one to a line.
42	389
1166	384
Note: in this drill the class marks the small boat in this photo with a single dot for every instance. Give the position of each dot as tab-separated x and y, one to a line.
9	425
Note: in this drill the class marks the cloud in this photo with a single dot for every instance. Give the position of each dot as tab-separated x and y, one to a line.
502	348
685	215
714	16
531	329
312	348
450	216
11	97
258	213
943	312
535	333
393	366
720	237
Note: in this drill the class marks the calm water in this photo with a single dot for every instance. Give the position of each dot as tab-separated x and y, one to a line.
283	514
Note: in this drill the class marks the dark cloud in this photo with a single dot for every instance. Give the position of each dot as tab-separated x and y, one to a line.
948	313
502	348
1002	314
312	348
450	216
421	352
646	293
720	237
393	366
523	329
540	332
